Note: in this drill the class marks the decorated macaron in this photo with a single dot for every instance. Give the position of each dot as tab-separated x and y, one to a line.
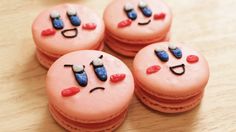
89	91
172	79
134	24
66	28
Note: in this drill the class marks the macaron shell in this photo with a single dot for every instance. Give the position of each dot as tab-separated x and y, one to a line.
110	126
46	61
59	45
86	107
115	13
164	82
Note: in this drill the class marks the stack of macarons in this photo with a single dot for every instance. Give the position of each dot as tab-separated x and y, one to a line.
66	28
89	91
134	24
172	79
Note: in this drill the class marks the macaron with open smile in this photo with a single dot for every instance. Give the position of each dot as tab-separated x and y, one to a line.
66	28
172	79
89	91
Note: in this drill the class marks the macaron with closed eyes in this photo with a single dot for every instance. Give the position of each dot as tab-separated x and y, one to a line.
89	93
66	28
136	22
172	79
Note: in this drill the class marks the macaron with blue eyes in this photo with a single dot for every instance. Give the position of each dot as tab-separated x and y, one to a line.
89	91
172	79
66	28
136	23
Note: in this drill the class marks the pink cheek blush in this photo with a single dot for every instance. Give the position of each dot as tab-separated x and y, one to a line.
117	78
48	32
124	23
70	91
160	16
153	69
89	26
192	59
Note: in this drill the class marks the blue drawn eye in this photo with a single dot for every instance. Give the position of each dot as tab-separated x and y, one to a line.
129	9
56	21
175	51
99	69
145	9
80	74
162	55
74	19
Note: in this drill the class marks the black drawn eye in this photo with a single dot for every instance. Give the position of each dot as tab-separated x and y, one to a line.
161	54
99	68
72	15
130	12
145	9
56	20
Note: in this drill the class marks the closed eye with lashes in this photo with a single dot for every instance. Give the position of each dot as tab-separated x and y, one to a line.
99	69
56	20
130	12
73	17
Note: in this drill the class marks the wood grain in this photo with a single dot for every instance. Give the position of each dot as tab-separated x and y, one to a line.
207	25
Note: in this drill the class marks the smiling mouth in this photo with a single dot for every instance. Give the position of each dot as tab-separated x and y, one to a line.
70	33
174	69
144	23
96	88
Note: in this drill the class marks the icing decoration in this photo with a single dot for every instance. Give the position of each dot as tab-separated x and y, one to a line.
48	32
192	59
130	12
145	9
153	69
70	91
97	88
117	78
89	26
74	19
80	74
162	55
175	51
160	16
56	21
99	68
75	30
172	69
145	23
124	23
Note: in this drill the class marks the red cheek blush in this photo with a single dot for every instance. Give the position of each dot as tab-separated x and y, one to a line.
70	91
125	23
89	26
117	78
48	32
153	69
159	16
192	59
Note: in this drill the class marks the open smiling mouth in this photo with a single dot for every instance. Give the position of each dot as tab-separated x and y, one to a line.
144	23
70	33
96	88
177	69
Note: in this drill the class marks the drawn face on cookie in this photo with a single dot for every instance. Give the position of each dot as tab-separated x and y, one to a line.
91	79
68	27
169	66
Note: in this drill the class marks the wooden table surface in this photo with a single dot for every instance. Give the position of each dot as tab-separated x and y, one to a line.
206	25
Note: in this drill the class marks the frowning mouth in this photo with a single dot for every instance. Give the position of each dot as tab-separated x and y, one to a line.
96	88
144	23
177	69
70	33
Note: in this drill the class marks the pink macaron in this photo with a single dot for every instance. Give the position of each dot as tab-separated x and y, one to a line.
172	79
89	91
134	24
66	28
